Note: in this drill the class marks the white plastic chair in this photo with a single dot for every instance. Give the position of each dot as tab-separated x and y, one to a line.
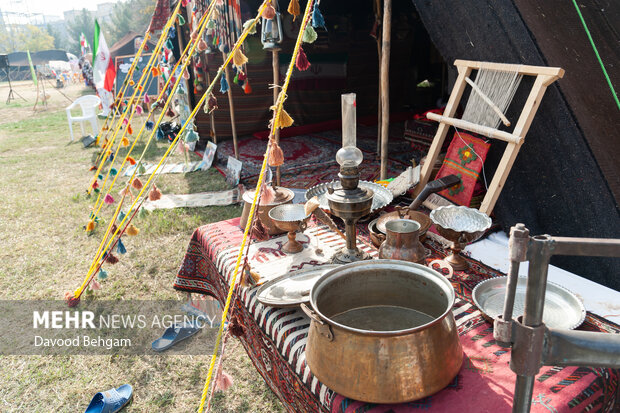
89	105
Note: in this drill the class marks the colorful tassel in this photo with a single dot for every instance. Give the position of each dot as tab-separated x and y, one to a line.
120	248
211	104
111	258
317	18
201	46
129	129
102	275
191	136
90	226
141	169
160	134
249	25
139	110
121	216
125	142
142	213
113	171
131	82
71	299
137	184
108	199
247	89
276	156
147	99
100	177
284	120
180	20
293	8
309	35
132	230
131	160
223	85
269	12
239	59
302	62
94	285
242	76
92	168
150	125
154	194
125	122
155	71
223	382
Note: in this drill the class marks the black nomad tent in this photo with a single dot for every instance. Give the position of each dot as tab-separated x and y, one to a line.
565	180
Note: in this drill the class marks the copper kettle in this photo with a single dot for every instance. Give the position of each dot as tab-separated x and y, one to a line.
402	241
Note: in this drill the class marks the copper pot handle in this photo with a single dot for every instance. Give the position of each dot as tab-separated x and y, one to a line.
323	328
303	225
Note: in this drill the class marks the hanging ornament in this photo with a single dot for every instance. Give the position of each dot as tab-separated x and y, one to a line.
284	120
223	85
251	26
247	89
309	35
102	275
269	12
317	18
149	125
137	184
276	156
202	45
120	248
132	230
239	59
302	62
113	171
211	104
138	110
108	199
131	160
293	8
154	193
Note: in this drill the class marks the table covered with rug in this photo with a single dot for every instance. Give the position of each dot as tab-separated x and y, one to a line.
275	338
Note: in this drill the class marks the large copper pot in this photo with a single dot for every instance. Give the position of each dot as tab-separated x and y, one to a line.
383	331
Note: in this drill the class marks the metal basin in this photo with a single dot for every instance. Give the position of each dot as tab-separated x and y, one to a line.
383	331
381	196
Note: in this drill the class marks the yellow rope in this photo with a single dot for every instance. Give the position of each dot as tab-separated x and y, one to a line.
254	201
145	73
101	248
97	208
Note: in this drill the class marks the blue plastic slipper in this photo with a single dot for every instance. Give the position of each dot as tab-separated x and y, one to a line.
110	401
173	335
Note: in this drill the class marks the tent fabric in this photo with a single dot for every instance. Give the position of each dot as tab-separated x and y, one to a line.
125	45
556	185
38	58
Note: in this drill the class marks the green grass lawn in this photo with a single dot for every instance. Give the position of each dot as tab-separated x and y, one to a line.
45	252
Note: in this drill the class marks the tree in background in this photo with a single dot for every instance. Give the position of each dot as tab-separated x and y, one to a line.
83	23
130	15
60	38
24	37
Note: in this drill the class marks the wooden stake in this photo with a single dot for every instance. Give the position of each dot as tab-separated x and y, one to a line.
232	109
276	91
205	64
385	85
377	38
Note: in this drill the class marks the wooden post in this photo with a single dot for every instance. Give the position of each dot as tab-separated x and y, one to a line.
378	39
276	91
205	64
232	109
385	85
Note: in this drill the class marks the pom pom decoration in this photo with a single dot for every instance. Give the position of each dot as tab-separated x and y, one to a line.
269	12
309	35
211	104
137	184
317	18
150	125
302	62
284	120
160	134
247	89
239	59
223	381
155	71
131	82
201	46
90	226
147	99
276	156
132	230
129	129
125	122
154	194
111	258
113	171
242	76
108	199
120	248
139	110
102	275
71	299
252	27
131	160
293	8
125	142
223	85
121	215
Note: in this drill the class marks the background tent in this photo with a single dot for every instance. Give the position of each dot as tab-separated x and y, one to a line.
565	180
126	45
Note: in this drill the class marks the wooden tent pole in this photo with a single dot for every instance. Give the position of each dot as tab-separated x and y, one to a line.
276	91
385	84
205	64
232	109
377	8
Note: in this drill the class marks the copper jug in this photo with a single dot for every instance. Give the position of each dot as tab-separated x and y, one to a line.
402	241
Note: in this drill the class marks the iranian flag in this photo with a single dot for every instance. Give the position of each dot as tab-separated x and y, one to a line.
103	64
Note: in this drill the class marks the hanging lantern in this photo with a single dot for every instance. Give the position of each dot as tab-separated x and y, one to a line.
271	35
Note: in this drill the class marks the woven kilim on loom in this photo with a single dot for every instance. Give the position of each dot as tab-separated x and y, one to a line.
275	338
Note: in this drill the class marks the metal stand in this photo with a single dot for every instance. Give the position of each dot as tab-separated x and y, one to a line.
12	93
533	344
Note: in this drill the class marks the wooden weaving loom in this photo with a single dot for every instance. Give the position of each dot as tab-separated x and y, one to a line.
544	76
